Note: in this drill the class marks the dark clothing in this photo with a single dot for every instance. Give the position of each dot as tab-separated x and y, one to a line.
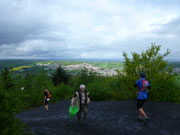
140	103
83	109
46	102
80	96
46	94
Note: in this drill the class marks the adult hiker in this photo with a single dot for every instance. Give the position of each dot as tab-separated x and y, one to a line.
47	97
81	100
142	95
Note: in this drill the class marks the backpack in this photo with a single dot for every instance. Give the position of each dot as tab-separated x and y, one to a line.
49	94
145	85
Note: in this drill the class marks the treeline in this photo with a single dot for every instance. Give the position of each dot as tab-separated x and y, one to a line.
14	63
174	64
25	91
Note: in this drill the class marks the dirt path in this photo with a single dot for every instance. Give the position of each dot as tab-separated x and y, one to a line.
105	118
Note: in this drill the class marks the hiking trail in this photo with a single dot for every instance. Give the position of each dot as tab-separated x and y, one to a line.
105	118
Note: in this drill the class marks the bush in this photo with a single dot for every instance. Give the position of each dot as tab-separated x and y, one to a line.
99	90
8	107
61	92
165	88
152	63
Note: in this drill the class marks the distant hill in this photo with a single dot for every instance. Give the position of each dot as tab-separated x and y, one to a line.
50	65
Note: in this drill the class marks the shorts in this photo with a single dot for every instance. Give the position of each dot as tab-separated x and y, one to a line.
140	103
46	102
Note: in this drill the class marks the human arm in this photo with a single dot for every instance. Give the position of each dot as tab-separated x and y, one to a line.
88	98
73	100
45	98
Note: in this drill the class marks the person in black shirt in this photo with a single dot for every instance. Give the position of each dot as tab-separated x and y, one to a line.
46	100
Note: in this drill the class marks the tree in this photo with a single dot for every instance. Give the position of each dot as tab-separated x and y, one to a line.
60	76
153	64
9	125
6	79
150	62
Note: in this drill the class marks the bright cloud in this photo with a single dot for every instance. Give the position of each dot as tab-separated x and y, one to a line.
87	28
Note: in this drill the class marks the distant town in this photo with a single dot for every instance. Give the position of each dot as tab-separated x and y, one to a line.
89	68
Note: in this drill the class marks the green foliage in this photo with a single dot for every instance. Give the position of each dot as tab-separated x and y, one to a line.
30	88
152	63
32	94
6	79
100	88
165	88
8	107
86	77
61	92
60	76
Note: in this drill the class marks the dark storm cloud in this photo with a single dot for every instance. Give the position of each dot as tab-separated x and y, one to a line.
10	33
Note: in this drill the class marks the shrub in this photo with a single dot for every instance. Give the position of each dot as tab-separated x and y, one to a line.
153	64
61	92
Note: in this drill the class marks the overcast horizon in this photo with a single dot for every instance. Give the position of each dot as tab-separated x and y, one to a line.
87	29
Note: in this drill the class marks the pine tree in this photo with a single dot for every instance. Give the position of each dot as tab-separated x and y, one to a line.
9	125
6	80
60	76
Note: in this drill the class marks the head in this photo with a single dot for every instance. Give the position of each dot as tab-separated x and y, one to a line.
142	75
82	87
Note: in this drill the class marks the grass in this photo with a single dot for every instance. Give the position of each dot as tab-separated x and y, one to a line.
20	68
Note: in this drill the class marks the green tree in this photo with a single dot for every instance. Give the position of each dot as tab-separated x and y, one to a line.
150	62
153	64
6	79
9	125
60	76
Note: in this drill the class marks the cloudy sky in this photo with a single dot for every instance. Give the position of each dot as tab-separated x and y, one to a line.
89	29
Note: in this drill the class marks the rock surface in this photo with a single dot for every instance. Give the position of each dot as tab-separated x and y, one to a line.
105	118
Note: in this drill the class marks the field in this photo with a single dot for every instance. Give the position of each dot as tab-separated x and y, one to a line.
20	68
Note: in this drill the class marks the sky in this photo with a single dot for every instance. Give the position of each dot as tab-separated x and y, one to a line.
87	29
